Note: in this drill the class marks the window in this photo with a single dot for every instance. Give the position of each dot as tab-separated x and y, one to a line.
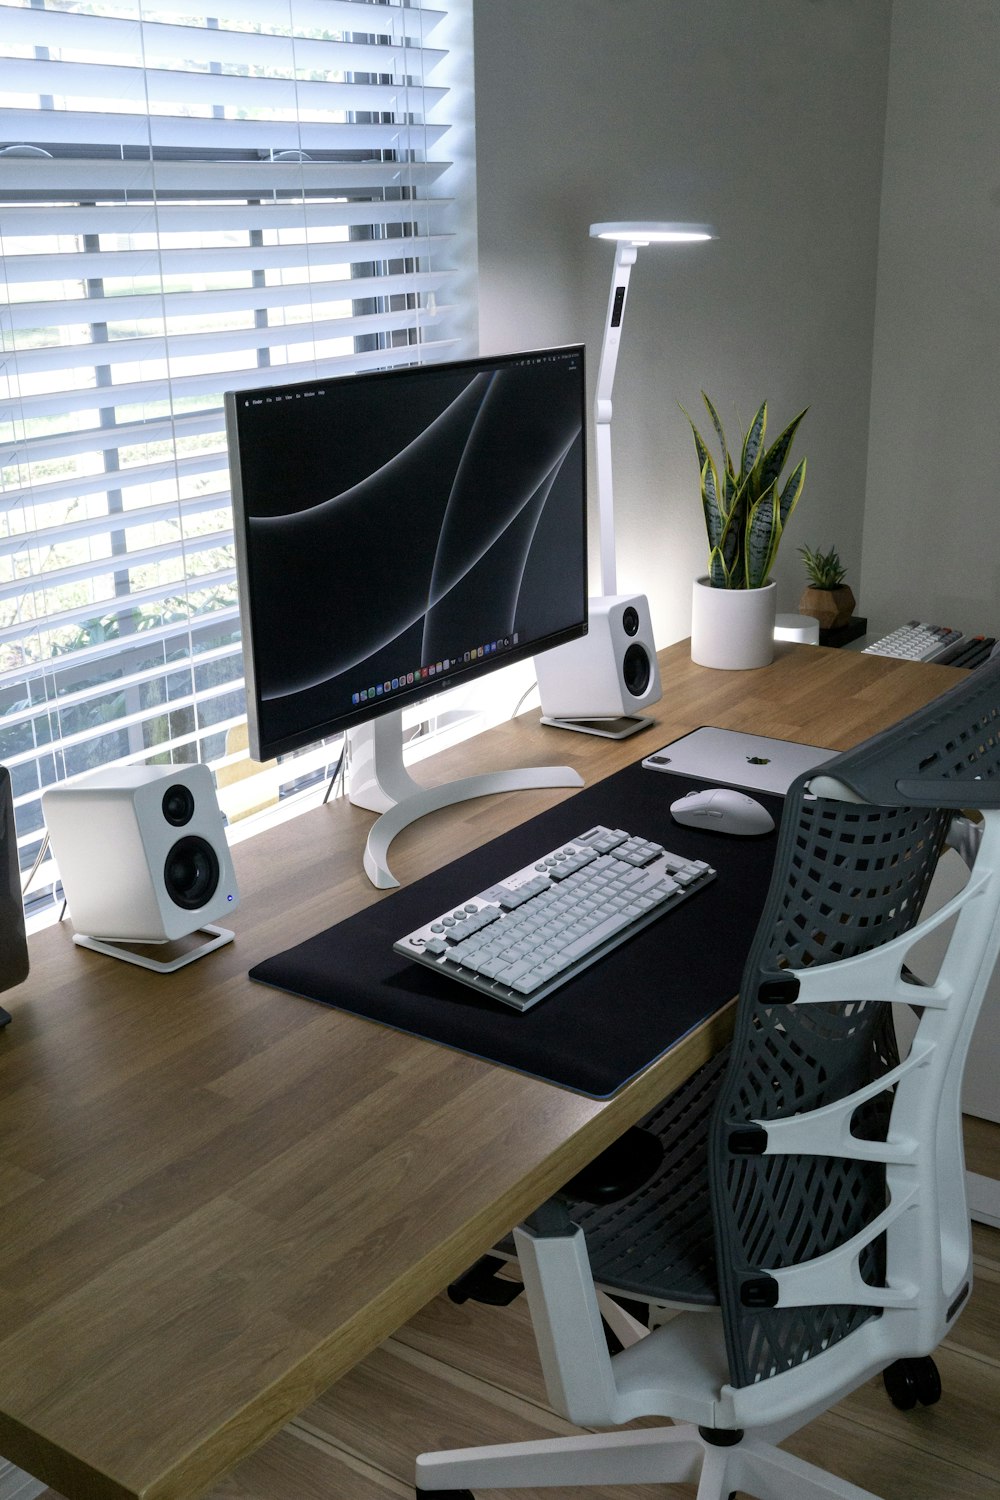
188	204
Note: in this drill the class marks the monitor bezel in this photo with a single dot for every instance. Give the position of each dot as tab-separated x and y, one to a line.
463	673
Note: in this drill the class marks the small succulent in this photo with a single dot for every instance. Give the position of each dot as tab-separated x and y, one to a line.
825	569
745	514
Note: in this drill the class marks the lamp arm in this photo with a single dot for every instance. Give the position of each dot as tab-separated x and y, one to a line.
625	255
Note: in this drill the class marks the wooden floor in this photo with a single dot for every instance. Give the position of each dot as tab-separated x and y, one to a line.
456	1376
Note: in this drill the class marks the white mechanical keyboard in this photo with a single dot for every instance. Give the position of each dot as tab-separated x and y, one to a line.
530	932
916	641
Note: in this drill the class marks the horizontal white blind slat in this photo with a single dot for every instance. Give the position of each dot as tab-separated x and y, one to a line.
212	218
116	651
166	89
111	36
20	448
121	353
79	310
127	521
116	605
238	257
102	482
96	568
353	16
48	128
33	179
135	719
187	663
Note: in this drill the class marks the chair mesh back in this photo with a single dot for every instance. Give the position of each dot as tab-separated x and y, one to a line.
847	878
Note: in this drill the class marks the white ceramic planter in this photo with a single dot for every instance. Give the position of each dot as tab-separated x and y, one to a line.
732	628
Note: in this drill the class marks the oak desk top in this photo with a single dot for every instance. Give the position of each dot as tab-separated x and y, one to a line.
215	1198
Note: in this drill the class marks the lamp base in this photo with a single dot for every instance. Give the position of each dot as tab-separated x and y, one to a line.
618	728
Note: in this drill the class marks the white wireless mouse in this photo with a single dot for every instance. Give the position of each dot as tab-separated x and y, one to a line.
721	810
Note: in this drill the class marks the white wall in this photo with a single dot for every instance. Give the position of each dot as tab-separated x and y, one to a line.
932	509
764	117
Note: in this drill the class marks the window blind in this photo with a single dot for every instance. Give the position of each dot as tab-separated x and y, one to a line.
186	205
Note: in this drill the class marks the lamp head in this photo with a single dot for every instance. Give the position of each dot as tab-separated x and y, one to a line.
652	233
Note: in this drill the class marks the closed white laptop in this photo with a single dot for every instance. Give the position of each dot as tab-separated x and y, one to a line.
752	761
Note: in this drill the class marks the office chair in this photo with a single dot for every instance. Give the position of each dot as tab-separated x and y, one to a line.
834	1169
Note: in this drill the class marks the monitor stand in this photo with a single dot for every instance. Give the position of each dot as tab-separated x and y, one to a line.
381	783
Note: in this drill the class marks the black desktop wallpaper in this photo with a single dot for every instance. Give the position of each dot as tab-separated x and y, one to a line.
423	521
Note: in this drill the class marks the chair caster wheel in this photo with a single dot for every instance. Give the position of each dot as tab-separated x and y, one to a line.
908	1381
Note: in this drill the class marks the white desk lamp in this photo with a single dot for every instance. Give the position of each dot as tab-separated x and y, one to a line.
592	684
629	238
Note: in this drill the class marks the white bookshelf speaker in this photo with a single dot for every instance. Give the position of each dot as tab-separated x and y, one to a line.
609	675
143	858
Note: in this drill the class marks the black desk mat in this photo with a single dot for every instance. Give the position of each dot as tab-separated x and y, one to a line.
602	1027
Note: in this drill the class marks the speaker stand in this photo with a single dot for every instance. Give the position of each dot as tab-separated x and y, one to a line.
618	728
217	938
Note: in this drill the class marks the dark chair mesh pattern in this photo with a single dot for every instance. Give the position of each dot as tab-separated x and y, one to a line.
848	877
852	877
658	1244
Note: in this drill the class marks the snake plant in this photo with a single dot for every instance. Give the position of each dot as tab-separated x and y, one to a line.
745	513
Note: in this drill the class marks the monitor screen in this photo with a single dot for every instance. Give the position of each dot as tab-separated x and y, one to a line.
403	531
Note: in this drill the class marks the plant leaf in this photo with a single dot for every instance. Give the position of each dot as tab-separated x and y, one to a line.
774	459
731	548
727	462
753	440
714	519
700	449
790	494
763	536
730	491
717	571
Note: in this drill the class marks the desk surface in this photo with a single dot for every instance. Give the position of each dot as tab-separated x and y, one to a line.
215	1198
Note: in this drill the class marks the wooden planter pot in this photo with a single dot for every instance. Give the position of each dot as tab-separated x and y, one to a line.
831	607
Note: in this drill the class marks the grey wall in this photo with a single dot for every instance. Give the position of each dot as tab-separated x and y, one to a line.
932	510
764	117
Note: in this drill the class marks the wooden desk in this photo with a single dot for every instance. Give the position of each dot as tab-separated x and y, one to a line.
216	1198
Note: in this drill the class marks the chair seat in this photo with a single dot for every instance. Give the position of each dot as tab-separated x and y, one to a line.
680	1371
657	1244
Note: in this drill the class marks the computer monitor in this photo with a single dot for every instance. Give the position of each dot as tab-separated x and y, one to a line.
400	532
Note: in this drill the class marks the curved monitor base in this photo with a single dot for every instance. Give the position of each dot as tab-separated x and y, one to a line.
381	783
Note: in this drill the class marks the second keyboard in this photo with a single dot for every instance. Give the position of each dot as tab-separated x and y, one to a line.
529	933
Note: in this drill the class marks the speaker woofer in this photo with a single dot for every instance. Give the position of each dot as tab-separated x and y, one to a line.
636	670
191	873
